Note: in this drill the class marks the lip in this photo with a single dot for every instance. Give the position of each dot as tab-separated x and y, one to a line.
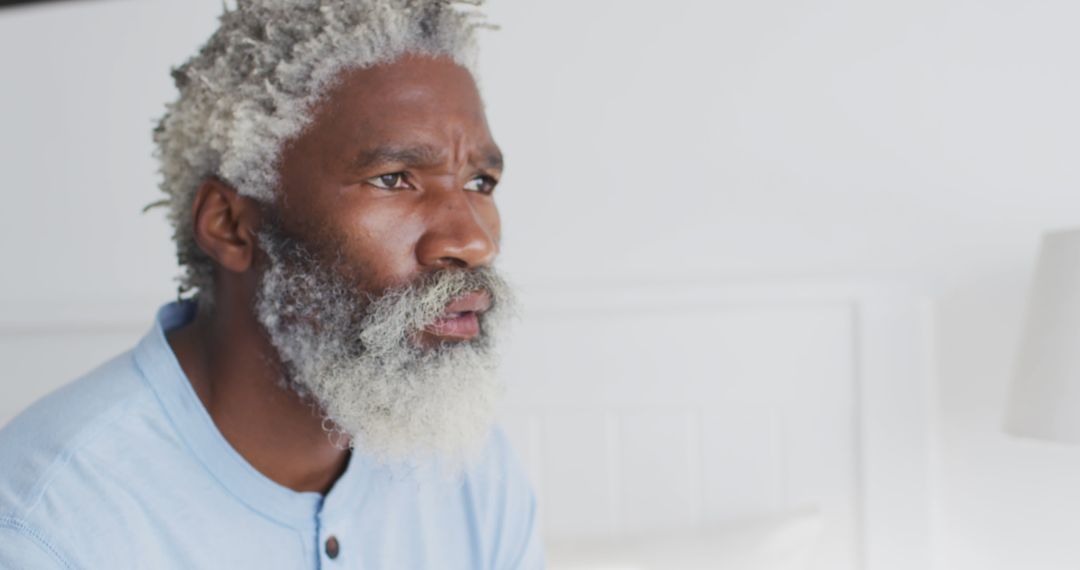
461	318
471	302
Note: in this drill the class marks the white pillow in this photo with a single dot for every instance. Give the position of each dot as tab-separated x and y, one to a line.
785	542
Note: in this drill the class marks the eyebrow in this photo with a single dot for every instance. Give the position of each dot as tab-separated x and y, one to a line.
418	156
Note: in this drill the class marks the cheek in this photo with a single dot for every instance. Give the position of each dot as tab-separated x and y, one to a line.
380	236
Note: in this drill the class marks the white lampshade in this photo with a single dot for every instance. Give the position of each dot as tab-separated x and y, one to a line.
1045	399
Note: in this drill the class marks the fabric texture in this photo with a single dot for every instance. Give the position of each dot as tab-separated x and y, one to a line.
124	468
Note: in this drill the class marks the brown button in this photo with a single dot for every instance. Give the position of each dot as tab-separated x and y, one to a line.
332	547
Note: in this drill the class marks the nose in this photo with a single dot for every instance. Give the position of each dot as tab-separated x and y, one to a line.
458	236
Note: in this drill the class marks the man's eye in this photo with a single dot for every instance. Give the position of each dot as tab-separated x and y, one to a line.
482	184
392	181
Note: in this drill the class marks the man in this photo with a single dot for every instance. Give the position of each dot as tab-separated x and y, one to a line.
324	397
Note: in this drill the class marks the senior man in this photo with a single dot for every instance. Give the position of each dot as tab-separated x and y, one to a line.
323	394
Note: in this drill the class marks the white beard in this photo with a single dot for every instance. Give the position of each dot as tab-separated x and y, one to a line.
355	356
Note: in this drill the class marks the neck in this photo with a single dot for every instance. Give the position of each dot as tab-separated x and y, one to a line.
236	373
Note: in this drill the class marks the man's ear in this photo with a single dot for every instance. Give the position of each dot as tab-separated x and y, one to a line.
225	224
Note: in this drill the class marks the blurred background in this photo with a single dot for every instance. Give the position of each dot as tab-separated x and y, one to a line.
774	256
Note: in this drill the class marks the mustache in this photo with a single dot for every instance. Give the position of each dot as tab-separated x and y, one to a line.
432	291
419	303
307	273
322	264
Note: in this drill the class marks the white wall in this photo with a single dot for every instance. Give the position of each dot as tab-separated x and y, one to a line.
917	140
83	83
923	143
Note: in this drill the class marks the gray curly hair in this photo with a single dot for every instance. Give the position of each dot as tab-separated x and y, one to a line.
253	85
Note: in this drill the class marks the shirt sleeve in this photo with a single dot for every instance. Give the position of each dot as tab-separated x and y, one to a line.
529	553
22	547
520	546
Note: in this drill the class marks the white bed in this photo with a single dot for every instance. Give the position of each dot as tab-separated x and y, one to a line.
782	542
715	424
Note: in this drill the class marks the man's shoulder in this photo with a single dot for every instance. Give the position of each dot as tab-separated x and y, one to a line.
498	462
487	480
37	445
498	483
507	505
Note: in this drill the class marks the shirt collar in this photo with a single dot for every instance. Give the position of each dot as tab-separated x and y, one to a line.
162	372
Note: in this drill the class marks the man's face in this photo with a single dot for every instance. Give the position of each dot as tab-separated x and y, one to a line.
395	176
377	290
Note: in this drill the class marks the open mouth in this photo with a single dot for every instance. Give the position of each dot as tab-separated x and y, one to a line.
461	320
464	325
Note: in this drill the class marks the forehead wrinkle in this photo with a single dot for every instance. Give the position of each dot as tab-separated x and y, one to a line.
484	155
424	155
412	155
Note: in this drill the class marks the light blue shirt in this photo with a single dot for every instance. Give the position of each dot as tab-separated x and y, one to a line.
124	468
